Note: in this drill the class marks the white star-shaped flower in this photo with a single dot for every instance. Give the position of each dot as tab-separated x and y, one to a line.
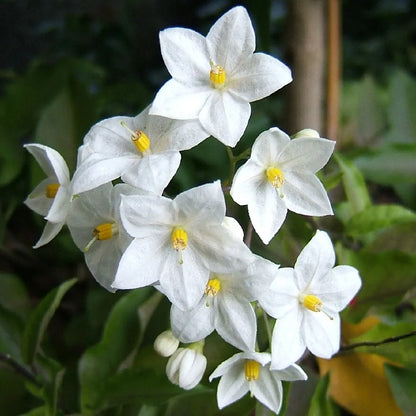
177	242
214	78
142	150
96	228
280	175
306	302
52	196
250	371
225	306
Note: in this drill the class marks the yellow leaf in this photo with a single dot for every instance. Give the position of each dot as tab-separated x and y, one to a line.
358	381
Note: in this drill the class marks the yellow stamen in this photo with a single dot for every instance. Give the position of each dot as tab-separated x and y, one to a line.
51	190
275	176
251	372
139	138
217	75
314	304
179	240
212	288
101	232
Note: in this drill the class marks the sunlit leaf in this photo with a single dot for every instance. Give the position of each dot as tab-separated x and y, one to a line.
386	277
376	217
39	320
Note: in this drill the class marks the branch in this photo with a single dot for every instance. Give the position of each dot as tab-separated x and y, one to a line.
18	367
377	343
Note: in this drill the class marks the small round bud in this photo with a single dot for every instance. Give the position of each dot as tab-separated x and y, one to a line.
186	367
306	133
166	343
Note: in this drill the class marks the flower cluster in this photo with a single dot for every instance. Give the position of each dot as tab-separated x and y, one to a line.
132	235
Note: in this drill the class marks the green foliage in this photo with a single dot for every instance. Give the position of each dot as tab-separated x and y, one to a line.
403	384
321	403
39	319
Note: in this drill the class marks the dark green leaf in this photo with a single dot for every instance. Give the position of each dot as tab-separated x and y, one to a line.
39	320
403	385
321	403
122	335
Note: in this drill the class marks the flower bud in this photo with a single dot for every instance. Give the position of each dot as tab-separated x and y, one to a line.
166	343
306	133
186	367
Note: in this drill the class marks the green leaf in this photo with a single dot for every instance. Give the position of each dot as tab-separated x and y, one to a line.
39	320
354	185
13	294
403	385
39	411
321	403
52	375
386	277
390	164
376	217
402	108
122	335
402	352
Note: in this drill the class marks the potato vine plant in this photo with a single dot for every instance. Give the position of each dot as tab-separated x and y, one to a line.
186	249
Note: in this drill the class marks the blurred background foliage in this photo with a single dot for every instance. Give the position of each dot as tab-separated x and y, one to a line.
66	64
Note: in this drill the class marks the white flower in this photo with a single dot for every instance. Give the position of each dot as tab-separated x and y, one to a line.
96	228
225	306
250	371
51	197
166	343
215	78
177	242
142	150
280	175
306	302
186	367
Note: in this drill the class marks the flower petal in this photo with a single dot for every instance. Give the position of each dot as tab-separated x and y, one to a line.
50	231
225	117
267	211
61	204
152	172
287	341
181	102
246	181
145	215
51	162
232	385
194	324
268	146
231	39
305	194
336	288
96	171
291	373
226	365
235	321
306	154
185	54
259	76
315	260
322	334
268	390
37	200
137	267
182	282
200	204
